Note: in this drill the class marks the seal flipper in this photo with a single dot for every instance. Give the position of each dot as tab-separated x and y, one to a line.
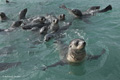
86	20
94	8
94	57
109	7
5	66
22	13
54	65
1	30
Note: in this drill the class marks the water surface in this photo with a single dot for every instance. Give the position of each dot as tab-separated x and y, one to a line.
103	32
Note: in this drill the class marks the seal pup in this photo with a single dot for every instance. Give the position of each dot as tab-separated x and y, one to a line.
61	17
5	66
91	11
22	14
3	17
74	53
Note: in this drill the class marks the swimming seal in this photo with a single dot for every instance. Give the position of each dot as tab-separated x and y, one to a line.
73	53
91	11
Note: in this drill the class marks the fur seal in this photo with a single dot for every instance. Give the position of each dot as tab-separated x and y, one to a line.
3	16
73	53
91	11
22	13
54	26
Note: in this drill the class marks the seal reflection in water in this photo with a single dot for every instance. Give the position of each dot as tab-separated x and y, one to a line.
73	53
5	66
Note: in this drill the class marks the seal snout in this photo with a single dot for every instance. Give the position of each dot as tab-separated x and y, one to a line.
79	42
84	43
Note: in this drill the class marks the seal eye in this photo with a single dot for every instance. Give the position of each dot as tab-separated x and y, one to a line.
2	15
42	19
76	43
55	21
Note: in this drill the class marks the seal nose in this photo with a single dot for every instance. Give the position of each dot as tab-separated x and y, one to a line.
84	43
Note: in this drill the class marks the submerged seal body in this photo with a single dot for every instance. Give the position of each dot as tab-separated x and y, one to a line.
73	53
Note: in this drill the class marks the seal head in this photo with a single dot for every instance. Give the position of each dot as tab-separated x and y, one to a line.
3	16
76	12
61	17
76	51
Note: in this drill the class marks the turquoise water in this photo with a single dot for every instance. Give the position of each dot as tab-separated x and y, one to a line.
103	32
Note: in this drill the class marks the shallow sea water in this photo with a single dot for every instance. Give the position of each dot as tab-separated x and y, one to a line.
103	32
